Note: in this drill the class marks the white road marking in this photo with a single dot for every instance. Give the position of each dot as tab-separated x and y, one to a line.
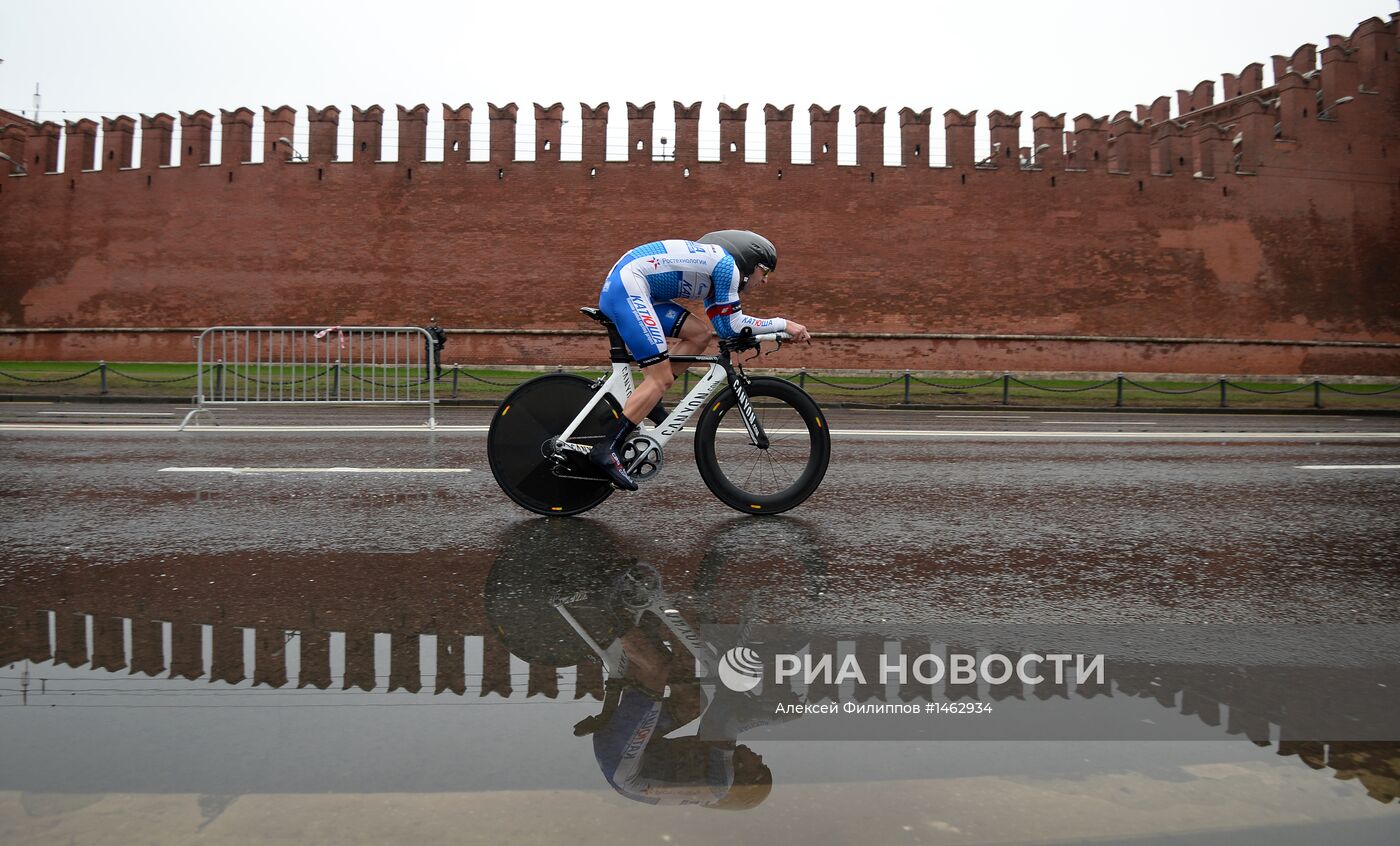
1092	423
883	433
242	470
136	427
986	416
106	413
1138	436
1348	467
1080	435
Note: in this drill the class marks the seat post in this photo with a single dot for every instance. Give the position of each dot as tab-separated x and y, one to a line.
617	350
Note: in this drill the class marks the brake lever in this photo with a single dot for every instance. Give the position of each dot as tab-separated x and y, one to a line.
777	345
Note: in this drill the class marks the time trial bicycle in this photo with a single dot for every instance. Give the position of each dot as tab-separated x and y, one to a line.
761	443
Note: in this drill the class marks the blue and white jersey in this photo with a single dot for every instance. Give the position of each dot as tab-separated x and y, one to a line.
685	270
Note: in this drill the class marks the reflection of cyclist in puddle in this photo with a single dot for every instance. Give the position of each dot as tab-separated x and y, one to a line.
561	594
631	736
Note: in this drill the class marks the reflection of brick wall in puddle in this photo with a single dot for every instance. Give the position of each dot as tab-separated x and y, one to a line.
1256	700
1270	214
1255	703
1375	765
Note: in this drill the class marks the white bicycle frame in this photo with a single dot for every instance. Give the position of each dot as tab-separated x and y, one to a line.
705	655
619	385
660	604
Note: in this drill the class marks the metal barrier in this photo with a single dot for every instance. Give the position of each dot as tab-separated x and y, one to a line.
336	365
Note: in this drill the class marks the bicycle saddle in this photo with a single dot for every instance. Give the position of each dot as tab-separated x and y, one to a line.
595	314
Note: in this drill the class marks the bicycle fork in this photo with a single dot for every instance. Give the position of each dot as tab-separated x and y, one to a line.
757	436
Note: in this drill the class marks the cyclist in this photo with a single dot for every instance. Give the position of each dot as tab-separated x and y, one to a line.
643	763
641	297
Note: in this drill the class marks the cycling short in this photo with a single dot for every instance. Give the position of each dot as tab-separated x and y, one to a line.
644	324
641	763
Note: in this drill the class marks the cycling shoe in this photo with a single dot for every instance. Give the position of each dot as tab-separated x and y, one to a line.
607	461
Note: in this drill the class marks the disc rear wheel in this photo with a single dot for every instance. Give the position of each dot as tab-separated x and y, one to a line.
518	445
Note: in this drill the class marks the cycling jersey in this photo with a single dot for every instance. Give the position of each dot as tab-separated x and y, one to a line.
654	274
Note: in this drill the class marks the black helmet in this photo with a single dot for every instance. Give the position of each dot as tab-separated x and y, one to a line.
749	249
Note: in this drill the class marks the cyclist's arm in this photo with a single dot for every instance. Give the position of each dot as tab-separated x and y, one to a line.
723	309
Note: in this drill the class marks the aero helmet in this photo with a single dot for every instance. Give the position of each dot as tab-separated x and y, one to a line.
749	249
752	783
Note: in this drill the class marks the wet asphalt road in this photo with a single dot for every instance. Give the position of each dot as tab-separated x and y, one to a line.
969	517
992	524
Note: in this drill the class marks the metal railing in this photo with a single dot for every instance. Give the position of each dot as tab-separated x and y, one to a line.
336	365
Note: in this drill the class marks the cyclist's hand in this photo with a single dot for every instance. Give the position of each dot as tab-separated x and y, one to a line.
798	331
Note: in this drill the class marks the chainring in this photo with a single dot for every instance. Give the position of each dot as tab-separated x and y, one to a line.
642	457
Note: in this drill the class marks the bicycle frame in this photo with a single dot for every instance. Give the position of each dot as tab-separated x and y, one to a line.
619	385
659	603
705	654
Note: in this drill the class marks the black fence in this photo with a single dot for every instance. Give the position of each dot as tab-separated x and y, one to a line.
104	370
1220	387
905	388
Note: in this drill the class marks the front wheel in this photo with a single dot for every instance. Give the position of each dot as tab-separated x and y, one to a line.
518	445
763	481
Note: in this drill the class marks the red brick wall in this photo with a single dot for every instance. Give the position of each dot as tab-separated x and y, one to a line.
1300	245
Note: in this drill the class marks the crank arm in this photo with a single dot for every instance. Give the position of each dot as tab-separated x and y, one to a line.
582	478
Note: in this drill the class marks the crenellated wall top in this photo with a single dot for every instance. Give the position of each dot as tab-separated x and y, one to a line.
865	115
368	114
507	112
953	117
1355	75
728	112
241	115
158	121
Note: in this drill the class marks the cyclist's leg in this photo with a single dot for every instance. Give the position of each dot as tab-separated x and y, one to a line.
692	335
626	301
620	745
685	337
656	378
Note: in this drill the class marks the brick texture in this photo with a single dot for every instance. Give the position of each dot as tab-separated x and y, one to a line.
1292	238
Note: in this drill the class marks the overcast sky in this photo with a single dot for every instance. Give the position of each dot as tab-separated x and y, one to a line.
148	56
